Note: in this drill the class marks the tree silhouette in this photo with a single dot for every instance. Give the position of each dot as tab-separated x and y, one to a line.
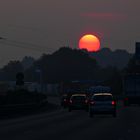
66	64
11	69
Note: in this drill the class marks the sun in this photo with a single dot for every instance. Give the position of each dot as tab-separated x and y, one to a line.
89	42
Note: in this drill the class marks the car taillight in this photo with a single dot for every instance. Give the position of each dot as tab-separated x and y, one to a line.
92	103
113	102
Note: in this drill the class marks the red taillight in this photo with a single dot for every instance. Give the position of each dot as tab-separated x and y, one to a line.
113	102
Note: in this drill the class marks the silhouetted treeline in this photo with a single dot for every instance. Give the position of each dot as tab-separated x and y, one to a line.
9	71
67	64
64	64
106	57
70	64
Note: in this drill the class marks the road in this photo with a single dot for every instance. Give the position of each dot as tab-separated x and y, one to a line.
63	125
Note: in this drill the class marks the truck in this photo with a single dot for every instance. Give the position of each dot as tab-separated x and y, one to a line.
131	89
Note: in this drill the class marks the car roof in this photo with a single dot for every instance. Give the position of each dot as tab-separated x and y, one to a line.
102	94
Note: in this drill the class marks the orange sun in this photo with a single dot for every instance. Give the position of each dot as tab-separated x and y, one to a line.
89	42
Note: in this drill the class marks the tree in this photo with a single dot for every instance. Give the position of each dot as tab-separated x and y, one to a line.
27	62
11	69
66	64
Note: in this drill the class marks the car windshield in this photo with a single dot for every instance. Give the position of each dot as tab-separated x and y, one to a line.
102	98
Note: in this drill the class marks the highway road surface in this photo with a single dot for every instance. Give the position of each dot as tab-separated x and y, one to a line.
76	125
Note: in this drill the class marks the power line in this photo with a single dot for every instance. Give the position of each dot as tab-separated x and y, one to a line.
25	43
19	44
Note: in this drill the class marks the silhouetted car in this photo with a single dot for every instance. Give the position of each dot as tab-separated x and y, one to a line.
102	103
78	102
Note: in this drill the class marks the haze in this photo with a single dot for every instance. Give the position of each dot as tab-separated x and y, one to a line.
50	24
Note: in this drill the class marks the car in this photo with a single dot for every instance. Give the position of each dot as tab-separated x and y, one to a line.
78	102
102	103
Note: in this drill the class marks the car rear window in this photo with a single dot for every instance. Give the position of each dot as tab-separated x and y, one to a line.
102	98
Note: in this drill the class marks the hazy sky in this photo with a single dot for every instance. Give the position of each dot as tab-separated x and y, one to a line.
50	24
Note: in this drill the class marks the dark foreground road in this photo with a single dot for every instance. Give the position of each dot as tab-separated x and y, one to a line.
76	125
